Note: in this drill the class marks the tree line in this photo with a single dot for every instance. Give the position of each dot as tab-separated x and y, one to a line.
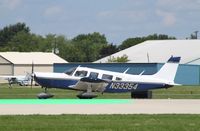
82	48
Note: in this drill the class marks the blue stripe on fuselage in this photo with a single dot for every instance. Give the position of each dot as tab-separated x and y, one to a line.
117	87
55	83
113	87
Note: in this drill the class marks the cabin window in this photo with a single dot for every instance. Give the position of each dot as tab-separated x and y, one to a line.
93	75
81	73
107	77
70	71
118	78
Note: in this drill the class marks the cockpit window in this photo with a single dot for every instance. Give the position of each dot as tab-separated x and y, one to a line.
107	77
70	71
93	75
81	73
118	78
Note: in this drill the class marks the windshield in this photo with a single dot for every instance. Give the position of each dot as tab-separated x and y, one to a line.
70	71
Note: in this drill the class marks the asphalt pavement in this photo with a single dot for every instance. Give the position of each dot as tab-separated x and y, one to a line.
135	106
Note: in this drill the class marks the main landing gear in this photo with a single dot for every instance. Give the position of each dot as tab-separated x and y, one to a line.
86	95
44	95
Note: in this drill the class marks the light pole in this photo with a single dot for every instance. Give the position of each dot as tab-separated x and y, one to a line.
196	34
55	49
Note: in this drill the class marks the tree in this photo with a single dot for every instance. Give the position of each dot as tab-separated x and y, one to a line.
134	41
23	42
82	48
89	45
159	37
131	42
95	38
70	53
122	59
8	32
108	50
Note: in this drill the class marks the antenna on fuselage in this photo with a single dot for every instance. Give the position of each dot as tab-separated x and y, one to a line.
78	66
126	70
142	72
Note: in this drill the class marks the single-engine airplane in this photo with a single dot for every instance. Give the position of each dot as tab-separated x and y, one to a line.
89	80
22	80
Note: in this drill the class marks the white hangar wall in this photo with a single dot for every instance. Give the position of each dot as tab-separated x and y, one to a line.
158	51
19	63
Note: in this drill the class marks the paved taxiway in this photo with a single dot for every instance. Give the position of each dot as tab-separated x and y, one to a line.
146	106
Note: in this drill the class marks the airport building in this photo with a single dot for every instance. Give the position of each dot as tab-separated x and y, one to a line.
19	63
158	51
149	56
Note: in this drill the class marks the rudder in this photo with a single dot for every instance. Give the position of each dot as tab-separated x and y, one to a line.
169	69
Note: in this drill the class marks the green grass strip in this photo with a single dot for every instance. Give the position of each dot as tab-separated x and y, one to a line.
64	101
128	122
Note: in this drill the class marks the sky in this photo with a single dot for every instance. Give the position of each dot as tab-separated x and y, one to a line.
116	19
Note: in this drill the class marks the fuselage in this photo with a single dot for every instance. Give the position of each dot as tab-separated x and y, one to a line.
115	81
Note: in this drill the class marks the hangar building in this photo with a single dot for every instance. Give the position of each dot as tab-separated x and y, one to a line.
149	57
19	63
158	51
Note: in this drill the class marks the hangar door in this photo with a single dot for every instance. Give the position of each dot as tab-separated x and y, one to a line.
6	68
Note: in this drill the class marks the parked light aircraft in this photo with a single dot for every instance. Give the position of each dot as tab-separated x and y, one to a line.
89	80
22	80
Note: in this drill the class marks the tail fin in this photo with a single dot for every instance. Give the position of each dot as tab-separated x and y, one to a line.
169	69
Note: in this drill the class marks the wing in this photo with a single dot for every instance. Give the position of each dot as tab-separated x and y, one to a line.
17	77
89	84
8	77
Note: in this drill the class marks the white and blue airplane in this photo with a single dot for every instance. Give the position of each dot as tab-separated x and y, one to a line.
22	80
89	80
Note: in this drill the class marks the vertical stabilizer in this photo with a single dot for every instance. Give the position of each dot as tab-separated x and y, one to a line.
169	69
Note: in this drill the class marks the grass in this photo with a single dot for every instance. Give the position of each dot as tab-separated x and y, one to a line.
173	122
178	92
101	122
20	92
